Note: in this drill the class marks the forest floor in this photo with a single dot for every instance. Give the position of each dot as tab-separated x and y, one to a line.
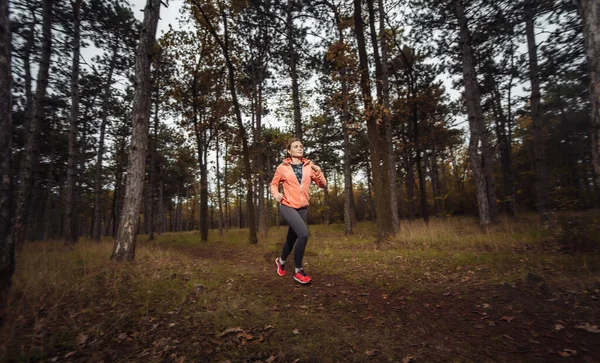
411	299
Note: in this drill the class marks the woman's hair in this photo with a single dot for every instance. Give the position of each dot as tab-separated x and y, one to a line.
289	145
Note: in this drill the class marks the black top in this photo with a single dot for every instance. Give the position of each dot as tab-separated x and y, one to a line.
298	171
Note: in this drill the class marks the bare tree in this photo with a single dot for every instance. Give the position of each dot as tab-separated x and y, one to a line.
541	168
7	247
478	140
30	156
71	225
124	248
590	15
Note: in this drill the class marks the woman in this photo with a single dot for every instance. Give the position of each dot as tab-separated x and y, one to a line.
296	173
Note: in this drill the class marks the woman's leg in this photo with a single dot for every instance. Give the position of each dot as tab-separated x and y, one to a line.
297	236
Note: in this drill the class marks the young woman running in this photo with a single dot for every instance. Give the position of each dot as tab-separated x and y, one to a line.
296	173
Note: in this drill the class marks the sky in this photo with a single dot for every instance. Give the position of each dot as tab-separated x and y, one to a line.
168	15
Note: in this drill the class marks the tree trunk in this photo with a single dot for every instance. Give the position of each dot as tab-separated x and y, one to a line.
289	28
71	234
541	167
418	161
436	185
27	76
100	155
30	156
590	15
124	248
218	177
387	121
257	83
382	208
475	116
151	177
383	100
200	133
7	246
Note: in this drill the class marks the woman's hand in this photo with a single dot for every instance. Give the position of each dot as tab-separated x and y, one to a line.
315	168
279	197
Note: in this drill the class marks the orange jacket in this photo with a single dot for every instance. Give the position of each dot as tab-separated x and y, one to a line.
294	194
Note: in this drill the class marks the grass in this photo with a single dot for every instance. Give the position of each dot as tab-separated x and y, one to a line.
180	295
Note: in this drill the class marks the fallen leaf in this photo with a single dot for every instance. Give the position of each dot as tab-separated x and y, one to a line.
370	353
589	328
268	327
486	306
465	279
271	359
296	331
229	331
81	339
558	327
69	354
408	359
508	318
568	353
245	335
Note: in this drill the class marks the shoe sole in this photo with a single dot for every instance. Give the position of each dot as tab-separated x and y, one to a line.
301	282
277	264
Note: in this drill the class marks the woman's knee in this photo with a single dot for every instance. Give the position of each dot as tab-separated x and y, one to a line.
303	235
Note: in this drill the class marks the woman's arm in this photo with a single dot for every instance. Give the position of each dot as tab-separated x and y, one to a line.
318	176
274	186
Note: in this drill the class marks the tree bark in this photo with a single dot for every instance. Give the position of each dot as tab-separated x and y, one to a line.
590	15
383	102
387	121
475	116
289	28
382	208
104	120
30	156
541	167
71	235
7	246
124	248
152	172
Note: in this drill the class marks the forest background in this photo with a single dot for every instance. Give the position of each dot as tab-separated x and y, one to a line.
170	133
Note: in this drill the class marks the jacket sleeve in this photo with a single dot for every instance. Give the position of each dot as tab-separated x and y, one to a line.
274	186
319	178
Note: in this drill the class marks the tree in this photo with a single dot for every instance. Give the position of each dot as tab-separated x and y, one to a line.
71	234
382	208
7	246
590	15
478	144
225	44
541	168
29	160
115	29
124	248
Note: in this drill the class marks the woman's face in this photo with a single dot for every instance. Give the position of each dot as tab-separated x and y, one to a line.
296	149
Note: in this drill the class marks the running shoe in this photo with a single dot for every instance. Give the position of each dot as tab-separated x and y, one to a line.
302	277
280	267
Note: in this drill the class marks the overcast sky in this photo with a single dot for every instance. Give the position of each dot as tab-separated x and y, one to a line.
167	15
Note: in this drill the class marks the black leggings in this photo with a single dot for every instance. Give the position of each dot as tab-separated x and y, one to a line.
297	233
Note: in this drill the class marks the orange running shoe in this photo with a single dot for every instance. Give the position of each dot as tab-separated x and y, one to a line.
302	277
280	267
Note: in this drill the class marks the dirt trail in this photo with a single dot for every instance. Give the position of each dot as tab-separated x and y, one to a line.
527	322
